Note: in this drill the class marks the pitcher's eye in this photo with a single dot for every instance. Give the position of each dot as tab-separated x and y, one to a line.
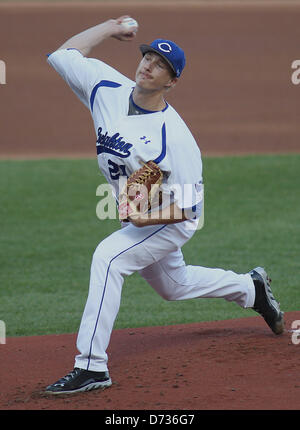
147	56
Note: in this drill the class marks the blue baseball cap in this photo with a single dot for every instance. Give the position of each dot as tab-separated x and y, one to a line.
171	52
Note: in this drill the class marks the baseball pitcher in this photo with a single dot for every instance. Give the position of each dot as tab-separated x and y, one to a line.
140	137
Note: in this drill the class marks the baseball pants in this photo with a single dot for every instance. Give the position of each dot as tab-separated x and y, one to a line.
154	252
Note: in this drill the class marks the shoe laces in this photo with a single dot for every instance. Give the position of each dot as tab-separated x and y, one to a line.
68	377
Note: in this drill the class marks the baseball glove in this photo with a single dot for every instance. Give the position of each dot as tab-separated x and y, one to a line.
140	191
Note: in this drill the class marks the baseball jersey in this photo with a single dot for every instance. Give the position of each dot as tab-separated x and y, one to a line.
124	142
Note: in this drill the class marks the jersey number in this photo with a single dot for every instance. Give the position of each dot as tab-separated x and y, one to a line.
116	170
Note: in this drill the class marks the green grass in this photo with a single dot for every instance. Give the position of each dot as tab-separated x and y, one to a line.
49	231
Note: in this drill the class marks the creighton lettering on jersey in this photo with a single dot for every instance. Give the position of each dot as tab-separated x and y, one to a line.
112	144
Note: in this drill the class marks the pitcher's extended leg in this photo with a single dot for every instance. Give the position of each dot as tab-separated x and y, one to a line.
174	280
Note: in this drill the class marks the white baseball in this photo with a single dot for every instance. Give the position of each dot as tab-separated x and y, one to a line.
130	24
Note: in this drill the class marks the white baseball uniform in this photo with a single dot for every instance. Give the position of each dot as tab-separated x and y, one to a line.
123	142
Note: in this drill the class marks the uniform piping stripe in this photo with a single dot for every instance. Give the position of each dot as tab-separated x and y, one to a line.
105	285
164	145
103	83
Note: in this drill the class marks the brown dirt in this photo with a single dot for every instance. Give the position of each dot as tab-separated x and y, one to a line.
233	365
236	94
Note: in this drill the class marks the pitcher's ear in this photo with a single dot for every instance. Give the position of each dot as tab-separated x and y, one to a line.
172	83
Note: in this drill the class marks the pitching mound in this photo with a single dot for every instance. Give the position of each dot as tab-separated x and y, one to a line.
233	365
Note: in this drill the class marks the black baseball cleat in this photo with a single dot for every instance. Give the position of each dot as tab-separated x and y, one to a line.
80	380
265	303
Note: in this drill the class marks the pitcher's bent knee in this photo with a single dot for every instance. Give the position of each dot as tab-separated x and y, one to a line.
102	254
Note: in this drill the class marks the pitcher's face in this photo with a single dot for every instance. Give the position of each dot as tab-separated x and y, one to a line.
154	73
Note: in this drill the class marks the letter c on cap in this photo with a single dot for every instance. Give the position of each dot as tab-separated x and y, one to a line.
165	47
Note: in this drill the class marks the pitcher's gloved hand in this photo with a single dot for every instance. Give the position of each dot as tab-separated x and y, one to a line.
140	191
